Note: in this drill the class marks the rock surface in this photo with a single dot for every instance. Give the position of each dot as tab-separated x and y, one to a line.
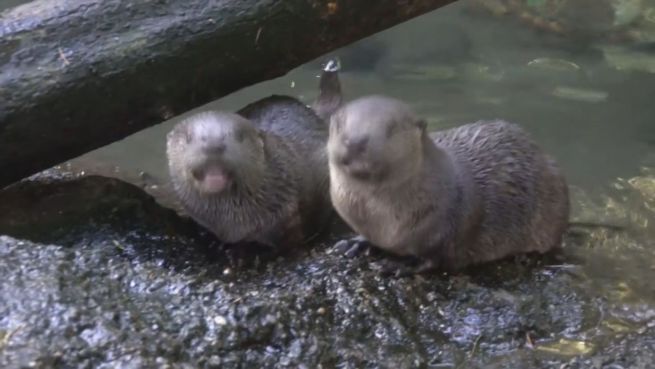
95	274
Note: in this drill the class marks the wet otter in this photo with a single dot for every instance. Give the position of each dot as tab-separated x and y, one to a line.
260	175
472	194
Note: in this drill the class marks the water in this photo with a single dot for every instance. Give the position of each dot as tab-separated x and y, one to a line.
588	101
6	4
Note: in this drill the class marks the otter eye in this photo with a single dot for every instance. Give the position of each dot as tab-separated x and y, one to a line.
240	135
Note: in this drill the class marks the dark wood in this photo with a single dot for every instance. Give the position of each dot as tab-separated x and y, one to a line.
79	74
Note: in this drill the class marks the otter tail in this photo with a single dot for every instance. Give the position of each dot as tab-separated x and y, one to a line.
329	98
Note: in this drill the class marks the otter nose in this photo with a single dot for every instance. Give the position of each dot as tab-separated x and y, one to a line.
356	145
214	148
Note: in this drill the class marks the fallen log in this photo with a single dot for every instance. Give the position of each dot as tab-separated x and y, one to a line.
77	75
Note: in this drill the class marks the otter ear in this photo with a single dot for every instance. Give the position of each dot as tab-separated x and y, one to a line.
422	124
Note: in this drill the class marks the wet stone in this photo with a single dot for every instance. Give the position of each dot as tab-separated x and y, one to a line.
95	274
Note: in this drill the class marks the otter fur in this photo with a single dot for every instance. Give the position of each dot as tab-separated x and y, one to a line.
468	195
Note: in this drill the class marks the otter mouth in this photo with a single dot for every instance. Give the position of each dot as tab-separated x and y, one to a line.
358	170
212	178
357	166
359	173
365	171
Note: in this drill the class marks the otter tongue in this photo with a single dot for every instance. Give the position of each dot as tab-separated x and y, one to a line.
215	179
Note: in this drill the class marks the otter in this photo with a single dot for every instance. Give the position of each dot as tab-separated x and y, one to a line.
258	175
451	199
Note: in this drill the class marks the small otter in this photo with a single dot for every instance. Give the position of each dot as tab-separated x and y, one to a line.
260	175
455	198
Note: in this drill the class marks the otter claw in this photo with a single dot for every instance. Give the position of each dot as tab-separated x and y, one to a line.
351	247
402	270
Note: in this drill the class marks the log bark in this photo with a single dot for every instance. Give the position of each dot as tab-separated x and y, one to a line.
79	74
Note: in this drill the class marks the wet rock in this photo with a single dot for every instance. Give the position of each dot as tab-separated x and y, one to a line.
57	207
95	274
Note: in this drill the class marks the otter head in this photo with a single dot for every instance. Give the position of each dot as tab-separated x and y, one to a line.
214	152
376	138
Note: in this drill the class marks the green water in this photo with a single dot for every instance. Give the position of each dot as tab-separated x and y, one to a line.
6	4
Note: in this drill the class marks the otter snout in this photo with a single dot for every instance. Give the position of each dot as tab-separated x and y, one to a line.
353	149
208	168
353	157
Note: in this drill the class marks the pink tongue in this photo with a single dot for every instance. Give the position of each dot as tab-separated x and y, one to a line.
214	180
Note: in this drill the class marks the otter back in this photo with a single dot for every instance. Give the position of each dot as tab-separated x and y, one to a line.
289	118
305	135
520	191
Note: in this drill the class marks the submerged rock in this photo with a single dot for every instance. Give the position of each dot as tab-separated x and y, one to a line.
95	274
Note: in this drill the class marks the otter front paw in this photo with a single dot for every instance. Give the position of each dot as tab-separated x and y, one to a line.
286	234
352	247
